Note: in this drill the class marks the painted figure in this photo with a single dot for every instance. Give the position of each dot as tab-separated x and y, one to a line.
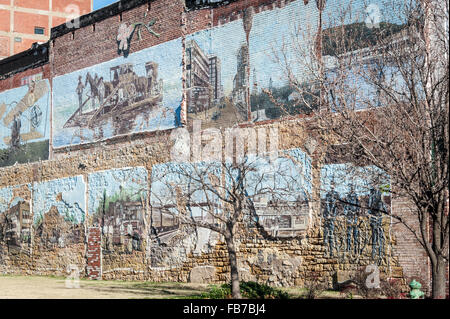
15	132
376	209
329	215
101	90
93	84
351	212
79	91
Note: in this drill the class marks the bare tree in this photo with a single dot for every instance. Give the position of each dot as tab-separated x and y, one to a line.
221	195
382	91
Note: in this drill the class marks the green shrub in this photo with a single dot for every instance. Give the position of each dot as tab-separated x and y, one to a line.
250	289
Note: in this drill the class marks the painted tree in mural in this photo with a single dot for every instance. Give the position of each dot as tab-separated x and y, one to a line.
385	99
227	197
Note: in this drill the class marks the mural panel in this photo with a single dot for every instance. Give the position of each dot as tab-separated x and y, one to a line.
355	205
217	63
236	72
281	193
284	45
25	123
16	219
117	204
174	192
59	212
281	42
141	92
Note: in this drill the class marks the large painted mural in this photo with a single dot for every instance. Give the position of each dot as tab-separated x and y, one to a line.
243	70
281	43
16	218
59	212
279	191
141	92
117	204
355	205
25	123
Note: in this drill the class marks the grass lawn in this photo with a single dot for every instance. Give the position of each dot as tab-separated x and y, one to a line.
40	287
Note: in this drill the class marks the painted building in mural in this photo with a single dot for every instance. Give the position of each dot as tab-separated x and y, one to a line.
59	211
163	65
117	204
16	218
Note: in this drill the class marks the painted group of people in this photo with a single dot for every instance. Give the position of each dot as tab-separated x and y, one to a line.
351	208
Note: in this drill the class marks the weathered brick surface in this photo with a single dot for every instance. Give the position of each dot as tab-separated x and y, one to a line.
94	253
15	81
412	256
278	262
80	49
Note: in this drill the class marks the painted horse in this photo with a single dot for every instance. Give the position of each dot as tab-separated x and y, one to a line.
97	89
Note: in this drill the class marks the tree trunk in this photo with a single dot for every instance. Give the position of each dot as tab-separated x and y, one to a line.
438	278
235	285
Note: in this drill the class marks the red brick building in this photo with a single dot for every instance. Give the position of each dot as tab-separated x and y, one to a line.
23	22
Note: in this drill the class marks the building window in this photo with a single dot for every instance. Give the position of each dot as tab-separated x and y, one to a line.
38	30
17	39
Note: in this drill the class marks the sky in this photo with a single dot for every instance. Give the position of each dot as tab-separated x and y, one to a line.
102	3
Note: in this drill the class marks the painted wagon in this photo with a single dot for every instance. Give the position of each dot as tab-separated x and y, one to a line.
126	95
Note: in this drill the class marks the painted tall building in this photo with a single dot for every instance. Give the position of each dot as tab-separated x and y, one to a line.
197	78
215	77
24	22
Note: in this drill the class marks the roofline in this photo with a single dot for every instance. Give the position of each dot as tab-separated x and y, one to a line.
97	16
193	5
34	57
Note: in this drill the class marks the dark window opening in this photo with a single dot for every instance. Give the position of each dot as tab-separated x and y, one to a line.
38	30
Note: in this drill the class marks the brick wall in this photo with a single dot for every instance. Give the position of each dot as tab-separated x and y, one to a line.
70	52
94	253
412	256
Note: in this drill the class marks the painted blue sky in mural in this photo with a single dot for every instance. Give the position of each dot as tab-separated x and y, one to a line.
166	115
125	182
274	36
72	205
343	175
31	108
286	178
274	43
370	11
